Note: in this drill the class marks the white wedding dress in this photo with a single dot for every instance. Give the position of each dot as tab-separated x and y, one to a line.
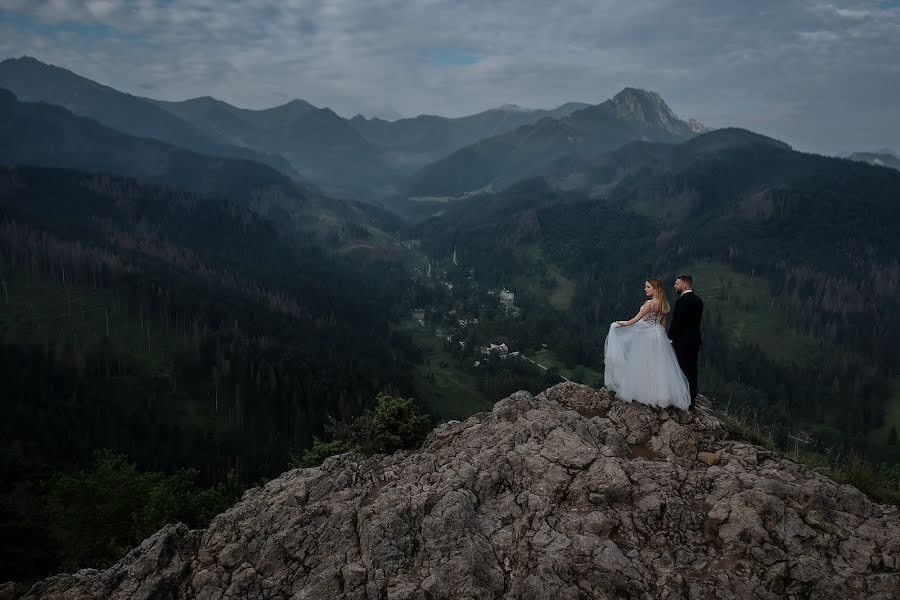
641	364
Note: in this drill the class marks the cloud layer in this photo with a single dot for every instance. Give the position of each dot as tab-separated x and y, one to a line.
824	77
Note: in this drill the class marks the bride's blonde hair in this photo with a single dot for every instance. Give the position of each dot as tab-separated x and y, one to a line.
659	295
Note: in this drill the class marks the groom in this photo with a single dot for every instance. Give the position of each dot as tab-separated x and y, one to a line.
684	330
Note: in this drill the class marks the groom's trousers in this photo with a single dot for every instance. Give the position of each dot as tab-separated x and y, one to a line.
687	360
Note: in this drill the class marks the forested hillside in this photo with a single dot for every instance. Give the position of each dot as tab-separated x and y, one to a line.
796	254
178	329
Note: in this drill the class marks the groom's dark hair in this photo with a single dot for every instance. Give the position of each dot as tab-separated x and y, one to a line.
686	278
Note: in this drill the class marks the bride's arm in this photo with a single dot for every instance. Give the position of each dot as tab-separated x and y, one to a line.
665	320
644	309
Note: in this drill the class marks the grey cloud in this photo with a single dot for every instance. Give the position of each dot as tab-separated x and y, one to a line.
823	77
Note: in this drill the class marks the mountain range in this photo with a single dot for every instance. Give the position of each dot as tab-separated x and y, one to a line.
34	81
37	133
369	159
320	145
554	147
201	285
40	134
410	144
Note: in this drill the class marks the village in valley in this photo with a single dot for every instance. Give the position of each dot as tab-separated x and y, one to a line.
475	339
454	320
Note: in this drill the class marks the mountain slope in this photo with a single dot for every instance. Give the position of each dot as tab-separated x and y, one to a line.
554	147
567	494
641	160
183	330
879	159
211	115
47	135
231	121
34	81
815	233
195	271
42	134
325	149
319	144
412	143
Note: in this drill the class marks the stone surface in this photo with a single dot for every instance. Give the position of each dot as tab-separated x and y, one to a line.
8	590
570	494
709	458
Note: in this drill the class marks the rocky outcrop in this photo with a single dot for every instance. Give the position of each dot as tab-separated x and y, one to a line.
569	494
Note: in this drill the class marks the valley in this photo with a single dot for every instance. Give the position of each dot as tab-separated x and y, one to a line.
208	295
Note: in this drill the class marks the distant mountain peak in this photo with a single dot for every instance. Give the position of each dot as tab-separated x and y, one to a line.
296	105
37	70
628	93
512	108
204	100
642	105
572	106
25	59
648	109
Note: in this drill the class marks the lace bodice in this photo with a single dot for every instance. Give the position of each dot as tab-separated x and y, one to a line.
652	317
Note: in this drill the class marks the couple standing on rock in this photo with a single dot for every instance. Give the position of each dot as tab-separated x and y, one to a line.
648	364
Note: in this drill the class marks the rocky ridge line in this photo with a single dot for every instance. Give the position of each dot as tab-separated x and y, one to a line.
569	494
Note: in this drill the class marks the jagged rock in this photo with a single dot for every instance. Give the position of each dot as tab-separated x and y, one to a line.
570	494
151	570
8	590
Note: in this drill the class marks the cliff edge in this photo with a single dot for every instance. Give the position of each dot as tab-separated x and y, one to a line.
568	494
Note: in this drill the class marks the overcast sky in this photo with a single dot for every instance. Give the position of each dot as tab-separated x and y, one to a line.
821	76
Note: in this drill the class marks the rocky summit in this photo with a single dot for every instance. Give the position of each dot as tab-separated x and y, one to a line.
568	494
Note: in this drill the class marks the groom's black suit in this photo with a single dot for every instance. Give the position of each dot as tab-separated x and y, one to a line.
684	331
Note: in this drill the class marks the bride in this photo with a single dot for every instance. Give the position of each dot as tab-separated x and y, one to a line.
640	362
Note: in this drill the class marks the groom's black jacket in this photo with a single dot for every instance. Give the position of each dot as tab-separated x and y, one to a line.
684	326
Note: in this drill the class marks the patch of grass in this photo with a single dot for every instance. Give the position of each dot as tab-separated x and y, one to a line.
749	313
451	392
580	374
560	295
561	298
881	483
744	423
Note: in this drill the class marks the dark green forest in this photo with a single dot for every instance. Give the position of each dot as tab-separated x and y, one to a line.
181	331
